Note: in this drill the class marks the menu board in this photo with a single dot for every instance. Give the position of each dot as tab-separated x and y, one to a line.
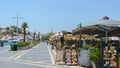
110	56
71	56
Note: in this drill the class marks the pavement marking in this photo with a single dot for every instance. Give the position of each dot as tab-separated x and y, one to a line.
14	58
51	55
37	57
4	51
35	46
35	63
39	54
17	56
28	62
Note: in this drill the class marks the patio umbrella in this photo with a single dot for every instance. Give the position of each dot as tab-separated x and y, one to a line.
103	26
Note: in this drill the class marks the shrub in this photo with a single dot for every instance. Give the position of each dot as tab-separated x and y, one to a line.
23	44
34	43
86	47
27	43
51	42
95	54
78	51
69	41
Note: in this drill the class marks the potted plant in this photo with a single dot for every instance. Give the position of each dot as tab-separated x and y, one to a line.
69	42
84	58
95	56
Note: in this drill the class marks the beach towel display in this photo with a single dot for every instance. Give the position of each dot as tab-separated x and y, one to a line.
110	56
119	60
71	56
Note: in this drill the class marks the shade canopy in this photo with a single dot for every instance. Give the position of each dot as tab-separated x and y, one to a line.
102	26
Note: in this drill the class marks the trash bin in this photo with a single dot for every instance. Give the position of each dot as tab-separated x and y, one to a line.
13	47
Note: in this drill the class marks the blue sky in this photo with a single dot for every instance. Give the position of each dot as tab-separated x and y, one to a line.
42	15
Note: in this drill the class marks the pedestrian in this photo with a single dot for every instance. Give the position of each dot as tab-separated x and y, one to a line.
62	41
55	41
47	41
52	45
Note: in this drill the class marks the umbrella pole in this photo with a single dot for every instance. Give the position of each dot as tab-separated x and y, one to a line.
106	37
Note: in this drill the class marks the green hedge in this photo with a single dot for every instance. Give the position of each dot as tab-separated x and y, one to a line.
33	43
23	44
69	41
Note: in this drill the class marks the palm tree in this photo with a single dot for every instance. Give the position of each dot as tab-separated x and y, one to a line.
38	36
24	26
34	36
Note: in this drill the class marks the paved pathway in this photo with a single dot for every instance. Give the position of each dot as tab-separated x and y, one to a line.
36	57
38	53
39	56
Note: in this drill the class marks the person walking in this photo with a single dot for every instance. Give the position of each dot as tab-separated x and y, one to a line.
47	41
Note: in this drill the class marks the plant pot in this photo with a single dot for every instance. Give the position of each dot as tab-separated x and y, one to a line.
98	65
84	58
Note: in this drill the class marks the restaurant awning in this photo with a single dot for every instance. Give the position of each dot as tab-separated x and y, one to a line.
104	27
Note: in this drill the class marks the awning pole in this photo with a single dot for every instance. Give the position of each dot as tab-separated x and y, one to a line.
106	37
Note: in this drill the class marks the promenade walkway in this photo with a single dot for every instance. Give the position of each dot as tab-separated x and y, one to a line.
40	56
38	53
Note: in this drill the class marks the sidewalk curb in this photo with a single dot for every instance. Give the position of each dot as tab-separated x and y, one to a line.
51	56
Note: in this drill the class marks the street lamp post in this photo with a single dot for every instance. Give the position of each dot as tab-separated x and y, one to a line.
79	26
17	17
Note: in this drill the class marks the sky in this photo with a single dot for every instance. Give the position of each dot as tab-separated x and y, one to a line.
57	15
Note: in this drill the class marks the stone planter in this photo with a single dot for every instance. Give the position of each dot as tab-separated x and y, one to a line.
84	59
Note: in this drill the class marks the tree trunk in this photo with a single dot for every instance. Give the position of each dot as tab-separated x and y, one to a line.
34	37
24	34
